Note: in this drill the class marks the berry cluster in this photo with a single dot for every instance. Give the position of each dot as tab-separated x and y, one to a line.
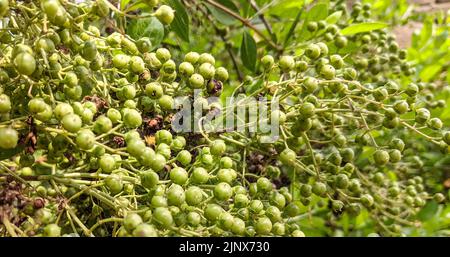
87	145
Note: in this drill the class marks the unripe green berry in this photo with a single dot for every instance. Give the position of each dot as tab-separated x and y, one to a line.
311	26
154	90
287	63
307	110
165	14
206	58
221	74
319	189
301	66
9	138
5	103
337	61
367	200
267	62
207	70
422	115
328	71
340	41
192	57
197	81
312	51
323	48
186	69
446	137
435	123
310	84
381	157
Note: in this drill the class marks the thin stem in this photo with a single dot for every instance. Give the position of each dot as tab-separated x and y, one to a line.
9	226
245	22
262	18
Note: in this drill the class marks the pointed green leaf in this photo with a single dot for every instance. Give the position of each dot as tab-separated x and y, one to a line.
318	12
222	16
123	3
334	17
248	51
180	24
140	6
148	27
428	211
363	27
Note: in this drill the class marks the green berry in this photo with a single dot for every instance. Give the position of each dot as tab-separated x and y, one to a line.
197	81
287	156
165	14
218	147
207	70
287	63
176	195
199	175
221	74
163	217
107	163
186	69
132	119
192	57
178	176
9	138
319	189
222	191
145	230
5	103
328	72
267	62
307	110
264	184
194	196
206	58
149	179
312	51
51	230
367	200
85	139
422	115
381	157
131	221
263	226
25	63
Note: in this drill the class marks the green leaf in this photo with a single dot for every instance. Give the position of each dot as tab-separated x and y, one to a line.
316	13
124	3
426	33
148	27
180	24
334	17
286	8
248	51
6	154
222	16
428	211
441	39
293	26
140	6
363	27
229	4
430	71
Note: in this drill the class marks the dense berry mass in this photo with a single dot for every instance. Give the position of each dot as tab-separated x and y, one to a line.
86	120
